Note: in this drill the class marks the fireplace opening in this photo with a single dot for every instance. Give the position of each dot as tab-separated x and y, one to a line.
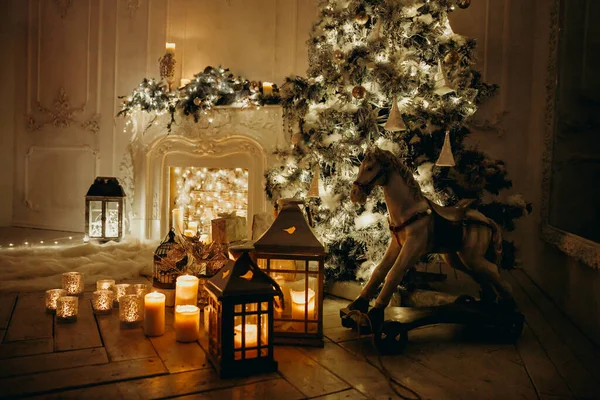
199	195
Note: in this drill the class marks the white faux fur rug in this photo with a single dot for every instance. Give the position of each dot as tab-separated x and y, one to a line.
40	268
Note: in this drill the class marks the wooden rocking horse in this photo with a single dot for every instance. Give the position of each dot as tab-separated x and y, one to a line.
467	240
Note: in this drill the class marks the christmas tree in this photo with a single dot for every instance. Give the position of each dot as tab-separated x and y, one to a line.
392	74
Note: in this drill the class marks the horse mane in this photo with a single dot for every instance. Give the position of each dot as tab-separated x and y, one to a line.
389	161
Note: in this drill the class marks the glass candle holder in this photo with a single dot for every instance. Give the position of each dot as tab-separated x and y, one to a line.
102	301
139	289
52	296
105	284
72	282
119	290
67	308
187	323
186	290
131	311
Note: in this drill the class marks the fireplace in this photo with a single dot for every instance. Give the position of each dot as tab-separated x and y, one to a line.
230	142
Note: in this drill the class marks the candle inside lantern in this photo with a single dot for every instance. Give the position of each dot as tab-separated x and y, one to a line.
154	314
187	323
178	220
67	308
130	311
119	291
186	290
52	296
299	307
251	334
170	48
267	88
105	284
102	301
72	282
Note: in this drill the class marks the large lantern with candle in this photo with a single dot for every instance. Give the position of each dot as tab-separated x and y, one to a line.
240	320
104	210
291	254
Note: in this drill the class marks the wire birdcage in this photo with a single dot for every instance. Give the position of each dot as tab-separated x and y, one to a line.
170	260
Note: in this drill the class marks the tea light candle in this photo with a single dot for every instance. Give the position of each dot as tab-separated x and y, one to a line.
251	335
187	323
170	48
130	311
52	296
119	291
72	282
102	301
267	88
139	289
299	307
186	290
105	284
154	314
67	308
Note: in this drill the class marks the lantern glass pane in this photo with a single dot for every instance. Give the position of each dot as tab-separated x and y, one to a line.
264	329
264	352
304	299
251	307
237	338
284	269
112	219
313	266
312	327
237	308
264	306
95	221
251	353
262	263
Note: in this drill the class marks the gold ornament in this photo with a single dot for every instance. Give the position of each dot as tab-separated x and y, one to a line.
395	123
197	101
338	56
464	3
361	17
452	57
446	158
296	138
359	92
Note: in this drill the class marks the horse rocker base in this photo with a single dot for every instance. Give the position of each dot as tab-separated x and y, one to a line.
490	321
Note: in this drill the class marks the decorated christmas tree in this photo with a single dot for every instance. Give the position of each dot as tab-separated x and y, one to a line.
392	74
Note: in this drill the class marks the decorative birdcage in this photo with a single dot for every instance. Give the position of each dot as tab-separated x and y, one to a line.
170	260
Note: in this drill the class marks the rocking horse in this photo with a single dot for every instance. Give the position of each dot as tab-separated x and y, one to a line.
467	240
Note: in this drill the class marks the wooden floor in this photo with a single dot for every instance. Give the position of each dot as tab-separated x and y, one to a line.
94	358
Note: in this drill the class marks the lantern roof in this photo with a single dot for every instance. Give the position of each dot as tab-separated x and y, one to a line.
241	277
105	186
290	234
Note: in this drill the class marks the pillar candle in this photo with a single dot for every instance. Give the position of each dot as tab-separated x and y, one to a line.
67	308
170	48
52	296
299	307
251	335
72	282
186	290
102	301
193	226
154	314
267	88
178	220
105	284
187	323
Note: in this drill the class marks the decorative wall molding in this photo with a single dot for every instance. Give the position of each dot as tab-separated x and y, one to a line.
583	250
63	7
132	7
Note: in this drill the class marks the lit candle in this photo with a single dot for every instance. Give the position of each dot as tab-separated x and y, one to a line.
67	308
267	88
193	226
186	290
102	301
251	335
183	82
187	323
170	48
52	296
105	284
178	220
299	307
119	291
72	282
130	311
154	314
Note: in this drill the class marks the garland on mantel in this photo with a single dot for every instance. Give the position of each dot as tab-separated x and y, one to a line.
212	87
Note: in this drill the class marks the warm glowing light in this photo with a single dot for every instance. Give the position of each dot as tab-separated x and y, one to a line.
251	335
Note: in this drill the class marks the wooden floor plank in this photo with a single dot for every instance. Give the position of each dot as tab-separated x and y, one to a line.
82	376
332	305
123	344
182	384
580	345
99	392
82	334
179	357
306	374
350	394
52	361
271	389
575	375
543	373
26	348
29	319
7	303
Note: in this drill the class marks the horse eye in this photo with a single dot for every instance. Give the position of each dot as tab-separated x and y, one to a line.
369	168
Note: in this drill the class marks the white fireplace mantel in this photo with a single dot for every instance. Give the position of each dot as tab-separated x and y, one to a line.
226	137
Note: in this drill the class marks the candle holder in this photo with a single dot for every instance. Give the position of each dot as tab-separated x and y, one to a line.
187	323
186	290
52	296
102	301
67	308
119	291
72	282
154	314
131	311
139	289
105	284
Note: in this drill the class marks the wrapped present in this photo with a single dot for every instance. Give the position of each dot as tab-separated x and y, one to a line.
229	228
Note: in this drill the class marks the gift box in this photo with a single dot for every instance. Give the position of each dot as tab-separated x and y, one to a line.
229	228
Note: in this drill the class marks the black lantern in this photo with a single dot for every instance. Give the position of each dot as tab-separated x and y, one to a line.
240	328
291	254
170	258
104	210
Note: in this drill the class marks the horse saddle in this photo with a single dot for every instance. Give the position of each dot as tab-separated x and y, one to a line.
449	225
454	213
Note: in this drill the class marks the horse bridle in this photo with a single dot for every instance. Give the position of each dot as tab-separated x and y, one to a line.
378	175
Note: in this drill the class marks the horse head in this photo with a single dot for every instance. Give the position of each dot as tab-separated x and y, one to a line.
372	171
